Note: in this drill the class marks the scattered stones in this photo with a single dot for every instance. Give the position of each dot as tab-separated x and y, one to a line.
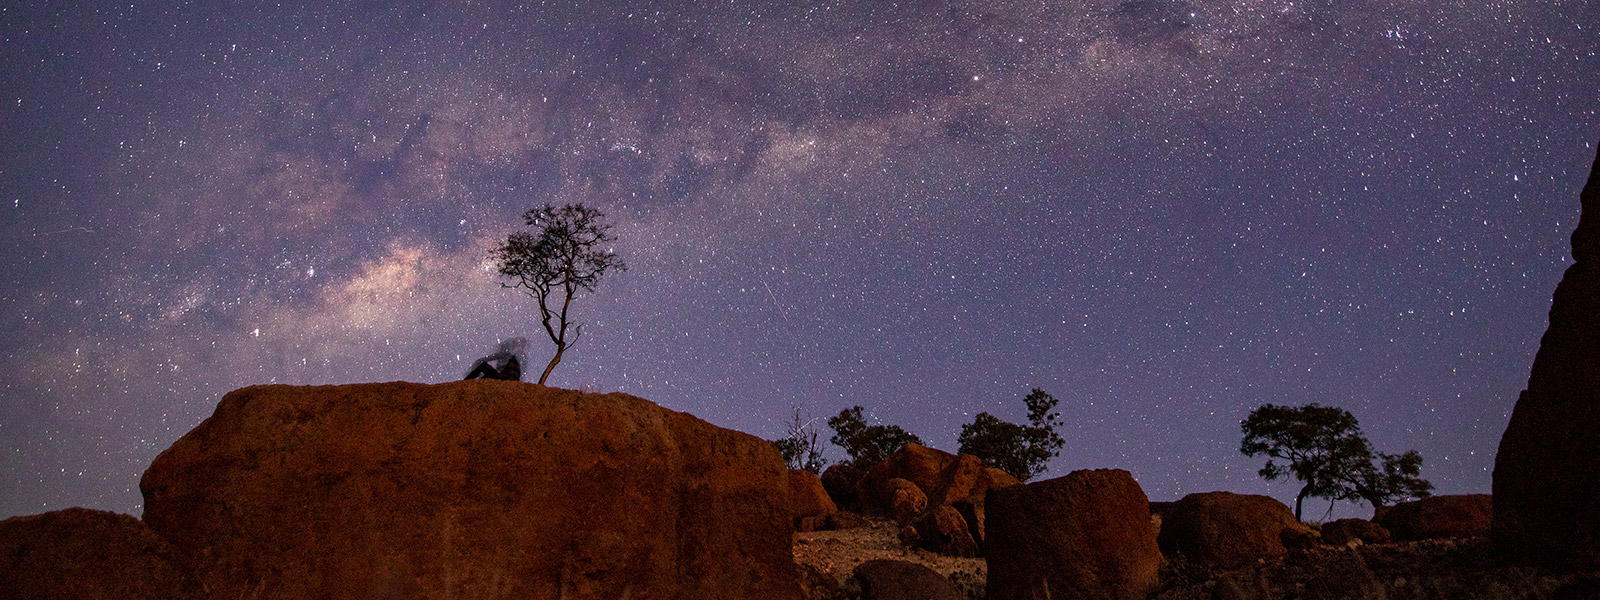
1439	517
1085	535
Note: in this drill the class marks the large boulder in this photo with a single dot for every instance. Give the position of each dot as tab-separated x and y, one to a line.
944	530
85	554
1439	517
971	509
1226	530
471	489
902	500
1547	472
840	481
884	579
1085	535
808	502
942	476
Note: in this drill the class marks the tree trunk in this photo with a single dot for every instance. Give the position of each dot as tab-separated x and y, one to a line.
553	361
1300	500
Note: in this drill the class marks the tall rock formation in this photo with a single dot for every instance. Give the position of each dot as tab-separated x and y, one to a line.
1547	473
472	489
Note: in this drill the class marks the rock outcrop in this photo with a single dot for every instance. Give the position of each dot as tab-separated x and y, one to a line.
1085	535
1547	472
944	530
1343	532
471	489
900	499
809	503
942	476
899	580
840	481
1226	530
85	554
1439	517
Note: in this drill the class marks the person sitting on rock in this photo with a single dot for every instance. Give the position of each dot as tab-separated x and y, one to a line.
510	369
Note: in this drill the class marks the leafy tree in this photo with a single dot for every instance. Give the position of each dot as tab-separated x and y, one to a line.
1324	449
1021	450
562	255
800	448
867	445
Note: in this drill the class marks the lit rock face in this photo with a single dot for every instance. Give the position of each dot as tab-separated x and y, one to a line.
1547	473
473	489
1085	535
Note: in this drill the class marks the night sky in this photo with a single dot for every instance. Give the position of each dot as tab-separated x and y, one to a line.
1164	213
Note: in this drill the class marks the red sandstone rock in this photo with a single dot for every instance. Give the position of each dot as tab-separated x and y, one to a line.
902	500
942	476
943	530
971	509
840	481
1344	531
807	499
1547	472
900	580
1226	530
472	489
1085	535
1439	517
85	554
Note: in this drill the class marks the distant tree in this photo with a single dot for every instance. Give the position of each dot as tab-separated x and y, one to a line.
800	448
1021	450
562	255
1395	478
867	445
1324	449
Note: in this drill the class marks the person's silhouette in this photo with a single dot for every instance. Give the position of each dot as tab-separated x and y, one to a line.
510	369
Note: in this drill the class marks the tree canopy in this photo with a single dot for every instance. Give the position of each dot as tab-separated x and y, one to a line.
1021	450
866	444
1323	448
563	254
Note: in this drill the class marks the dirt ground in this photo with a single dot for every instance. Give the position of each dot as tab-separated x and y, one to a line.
837	553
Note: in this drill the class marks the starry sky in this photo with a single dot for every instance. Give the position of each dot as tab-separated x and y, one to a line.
1163	212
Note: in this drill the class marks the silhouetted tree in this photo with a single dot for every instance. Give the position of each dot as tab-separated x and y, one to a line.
1021	450
800	448
562	255
867	445
1325	450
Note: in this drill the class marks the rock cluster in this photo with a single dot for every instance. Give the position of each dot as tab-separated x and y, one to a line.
1547	473
471	489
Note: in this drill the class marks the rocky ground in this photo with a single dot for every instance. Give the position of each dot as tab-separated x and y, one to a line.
1433	569
838	553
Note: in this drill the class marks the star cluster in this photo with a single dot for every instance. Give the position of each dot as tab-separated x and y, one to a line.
1164	213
